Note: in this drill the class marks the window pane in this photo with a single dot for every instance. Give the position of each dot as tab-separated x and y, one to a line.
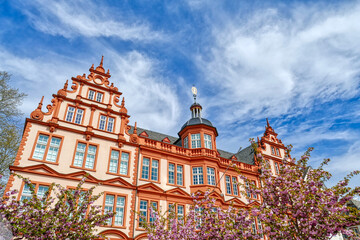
110	124
114	161
109	206
171	173
143	212
198	176
211	176
235	186
207	140
40	147
70	114
79	156
99	97
154	170
53	149
124	163
145	168
41	191
90	158
79	115
179	175
154	207
186	143
26	194
119	217
195	141
91	94
180	212
102	122
228	186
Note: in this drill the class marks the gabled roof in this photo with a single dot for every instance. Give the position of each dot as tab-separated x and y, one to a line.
246	155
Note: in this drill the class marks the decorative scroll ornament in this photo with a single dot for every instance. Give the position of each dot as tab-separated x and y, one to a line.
134	136
62	91
37	114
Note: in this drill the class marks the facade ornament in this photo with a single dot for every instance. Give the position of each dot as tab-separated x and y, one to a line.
134	136
37	114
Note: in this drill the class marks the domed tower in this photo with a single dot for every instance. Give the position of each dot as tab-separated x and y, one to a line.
198	132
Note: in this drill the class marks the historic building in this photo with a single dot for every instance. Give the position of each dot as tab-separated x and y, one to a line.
85	130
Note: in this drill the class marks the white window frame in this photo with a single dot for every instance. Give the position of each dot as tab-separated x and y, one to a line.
211	176
196	140
198	176
207	141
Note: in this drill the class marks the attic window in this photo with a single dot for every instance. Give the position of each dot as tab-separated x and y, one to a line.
144	134
166	140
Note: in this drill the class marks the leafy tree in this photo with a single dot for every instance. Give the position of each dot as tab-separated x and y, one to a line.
10	99
59	214
292	207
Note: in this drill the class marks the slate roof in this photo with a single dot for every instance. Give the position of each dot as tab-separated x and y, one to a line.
197	121
246	155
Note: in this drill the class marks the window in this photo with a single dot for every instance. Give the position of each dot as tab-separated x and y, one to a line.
106	123
119	165
235	186
277	151
99	97
87	152
248	193
186	142
207	141
95	95
145	214
74	115
231	185
211	176
117	203
175	174
179	175
195	141
178	209
259	225
150	169
228	185
198	177
171	173
40	191
277	169
47	148
254	195
272	150
154	206
180	213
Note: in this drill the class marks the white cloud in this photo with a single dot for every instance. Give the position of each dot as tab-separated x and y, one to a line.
150	98
85	18
274	65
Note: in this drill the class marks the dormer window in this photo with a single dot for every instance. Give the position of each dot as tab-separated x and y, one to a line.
195	140
207	141
186	142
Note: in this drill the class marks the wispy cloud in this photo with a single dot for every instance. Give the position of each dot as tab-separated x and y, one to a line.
272	64
151	99
86	18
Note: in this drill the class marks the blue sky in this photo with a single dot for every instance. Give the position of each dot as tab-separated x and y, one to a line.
294	62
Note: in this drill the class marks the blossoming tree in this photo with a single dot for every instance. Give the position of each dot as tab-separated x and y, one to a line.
59	214
295	204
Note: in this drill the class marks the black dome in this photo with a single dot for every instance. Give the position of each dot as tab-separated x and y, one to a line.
197	121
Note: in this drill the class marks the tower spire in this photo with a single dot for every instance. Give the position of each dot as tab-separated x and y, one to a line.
102	60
